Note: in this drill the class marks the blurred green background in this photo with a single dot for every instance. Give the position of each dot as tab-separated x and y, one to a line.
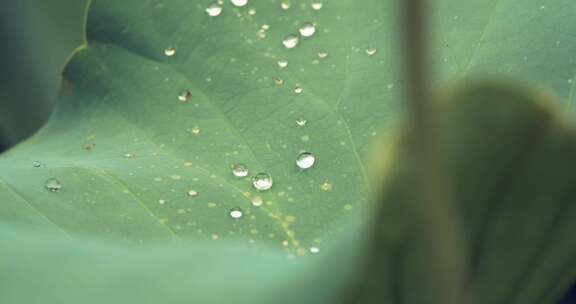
36	38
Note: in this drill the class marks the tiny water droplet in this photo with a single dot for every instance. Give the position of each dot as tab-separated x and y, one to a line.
170	51
195	130
279	81
305	160
53	185
239	3
307	30
214	10
193	193
282	63
37	164
129	155
184	95
257	201
262	181
285	5
314	249
326	186
322	55
251	12
290	42
161	202
371	51
236	213
316	6
301	122
240	170
298	90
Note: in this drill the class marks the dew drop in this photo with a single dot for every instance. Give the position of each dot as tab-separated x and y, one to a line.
285	5
257	201
314	249
301	122
307	30
282	63
236	213
162	202
298	90
371	51
305	160
251	12
214	10
239	3
170	51
240	170
195	130
184	96
290	42
316	6
279	81
129	155
322	55
36	164
262	181
53	185
326	186
193	193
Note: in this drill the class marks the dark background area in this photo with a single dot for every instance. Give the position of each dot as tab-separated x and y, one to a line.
36	38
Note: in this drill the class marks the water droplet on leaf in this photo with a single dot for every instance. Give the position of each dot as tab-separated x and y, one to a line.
371	51
326	186
282	63
193	193
316	6
257	201
53	185
290	41
214	10
301	122
184	96
305	160
170	51
240	170
262	181
236	213
314	249
298	90
285	5
239	3
307	30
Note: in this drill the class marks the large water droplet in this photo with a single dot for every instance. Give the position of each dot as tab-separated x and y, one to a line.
282	63
240	170
53	185
236	213
214	10
305	160
239	3
262	181
316	6
184	95
290	41
170	51
371	51
307	30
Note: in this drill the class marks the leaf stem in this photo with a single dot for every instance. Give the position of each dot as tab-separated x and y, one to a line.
432	201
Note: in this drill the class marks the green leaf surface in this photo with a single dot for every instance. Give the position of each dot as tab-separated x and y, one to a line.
127	151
